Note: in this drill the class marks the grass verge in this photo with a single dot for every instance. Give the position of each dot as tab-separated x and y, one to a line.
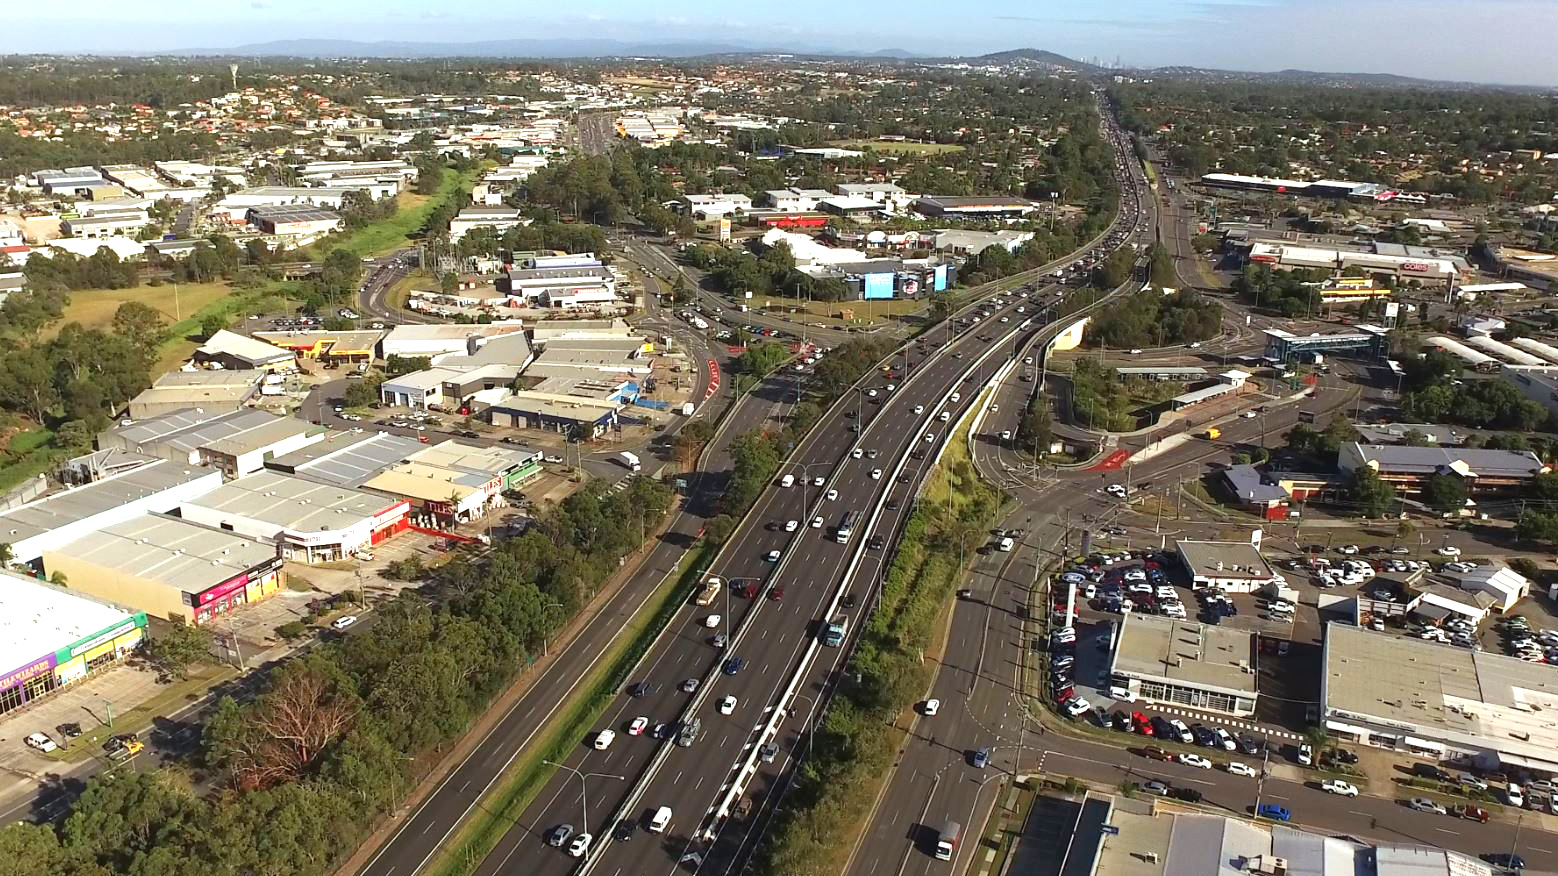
529	774
815	829
27	455
201	679
94	308
411	214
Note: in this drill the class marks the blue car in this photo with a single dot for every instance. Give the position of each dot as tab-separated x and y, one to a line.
735	665
981	758
1274	812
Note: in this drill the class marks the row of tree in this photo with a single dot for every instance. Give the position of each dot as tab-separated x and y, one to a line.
1152	319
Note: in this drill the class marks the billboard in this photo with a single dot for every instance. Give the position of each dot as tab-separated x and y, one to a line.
878	286
940	279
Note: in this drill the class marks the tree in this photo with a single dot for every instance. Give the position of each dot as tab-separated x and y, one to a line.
212	323
180	647
308	706
1415	438
691	440
1371	495
1445	492
142	326
759	359
26	383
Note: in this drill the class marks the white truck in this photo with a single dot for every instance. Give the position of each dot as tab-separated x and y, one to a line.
629	461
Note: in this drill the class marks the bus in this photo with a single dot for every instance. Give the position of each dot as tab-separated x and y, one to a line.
846	527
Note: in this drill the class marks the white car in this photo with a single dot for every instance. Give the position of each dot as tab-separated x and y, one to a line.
833	495
604	738
818	481
1339	787
1077	706
773	556
876	474
870	393
857	453
1195	760
1006	434
712	621
816	523
1448	550
637	726
1515	795
791	525
579	846
929	437
1115	490
1123	694
944	416
727	706
1241	769
956	398
344	621
1348	549
919	409
930	708
40	742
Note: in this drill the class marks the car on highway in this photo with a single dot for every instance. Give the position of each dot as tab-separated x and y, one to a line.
930	707
579	846
791	525
772	556
1423	804
919	409
816	523
768	753
818	481
876	474
604	738
1195	760
712	621
637	726
1241	769
734	665
833	495
727	705
1339	788
690	685
559	835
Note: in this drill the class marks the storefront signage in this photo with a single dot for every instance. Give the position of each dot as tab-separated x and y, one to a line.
27	673
100	638
1414	267
221	590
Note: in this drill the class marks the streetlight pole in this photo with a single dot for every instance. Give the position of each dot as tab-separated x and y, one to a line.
584	802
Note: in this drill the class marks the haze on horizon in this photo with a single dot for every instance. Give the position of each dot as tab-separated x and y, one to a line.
1492	41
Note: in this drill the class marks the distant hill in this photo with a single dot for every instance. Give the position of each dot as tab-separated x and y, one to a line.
1312	78
1033	58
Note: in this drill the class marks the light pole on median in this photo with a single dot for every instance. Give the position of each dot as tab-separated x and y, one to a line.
584	802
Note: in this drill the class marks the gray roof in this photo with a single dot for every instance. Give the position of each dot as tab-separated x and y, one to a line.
178	553
292	503
1185	652
1427	460
584	273
347	459
57	509
1392	433
1210	845
965	202
1224	559
1249	485
229	432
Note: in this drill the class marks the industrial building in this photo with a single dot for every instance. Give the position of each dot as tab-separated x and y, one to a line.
294	220
209	390
1478	360
796	200
554	413
343	347
1439	701
1234	566
312	522
434	340
234	442
526	287
454	482
1409	468
107	225
66	181
714	206
346	459
1185	663
231	350
169	567
136	486
975	207
51	638
498	218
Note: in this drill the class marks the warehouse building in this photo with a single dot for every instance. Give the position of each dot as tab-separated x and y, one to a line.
169	567
1234	566
975	207
235	442
342	347
1409	468
554	413
438	339
714	206
526	287
51	638
796	200
107	225
1439	701
66	181
499	219
1185	663
237	352
214	391
346	459
312	522
294	220
456	483
134	487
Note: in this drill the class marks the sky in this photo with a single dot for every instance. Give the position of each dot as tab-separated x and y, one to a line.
1497	41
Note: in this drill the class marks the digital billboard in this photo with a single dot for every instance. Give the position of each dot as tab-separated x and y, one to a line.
940	279
879	286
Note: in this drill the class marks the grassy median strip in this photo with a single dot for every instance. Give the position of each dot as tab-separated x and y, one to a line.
529	773
852	755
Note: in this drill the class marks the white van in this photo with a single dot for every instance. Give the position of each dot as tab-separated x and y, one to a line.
1006	545
660	820
787	481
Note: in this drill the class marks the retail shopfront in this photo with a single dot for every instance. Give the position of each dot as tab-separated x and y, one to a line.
67	665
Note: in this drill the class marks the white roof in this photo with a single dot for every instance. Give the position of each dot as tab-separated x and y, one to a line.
37	619
242	347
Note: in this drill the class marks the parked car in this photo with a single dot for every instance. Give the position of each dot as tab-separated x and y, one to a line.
1339	787
1241	769
1423	804
1273	812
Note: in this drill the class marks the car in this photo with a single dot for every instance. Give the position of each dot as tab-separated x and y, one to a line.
772	556
1077	706
1505	860
768	753
603	739
637	726
640	690
1339	788
579	846
818	481
981	758
833	495
1154	787
1515	795
1448	550
1472	813
68	731
40	742
624	830
1423	804
727	705
919	409
1195	760
930	707
791	525
1273	812
1225	739
876	474
559	835
734	665
712	621
1306	754
816	523
1348	549
857	453
344	621
1123	694
1241	769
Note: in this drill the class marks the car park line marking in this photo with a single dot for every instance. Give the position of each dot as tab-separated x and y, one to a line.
1450	832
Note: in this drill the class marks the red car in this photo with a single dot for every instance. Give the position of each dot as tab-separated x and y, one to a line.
1140	724
749	590
776	593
